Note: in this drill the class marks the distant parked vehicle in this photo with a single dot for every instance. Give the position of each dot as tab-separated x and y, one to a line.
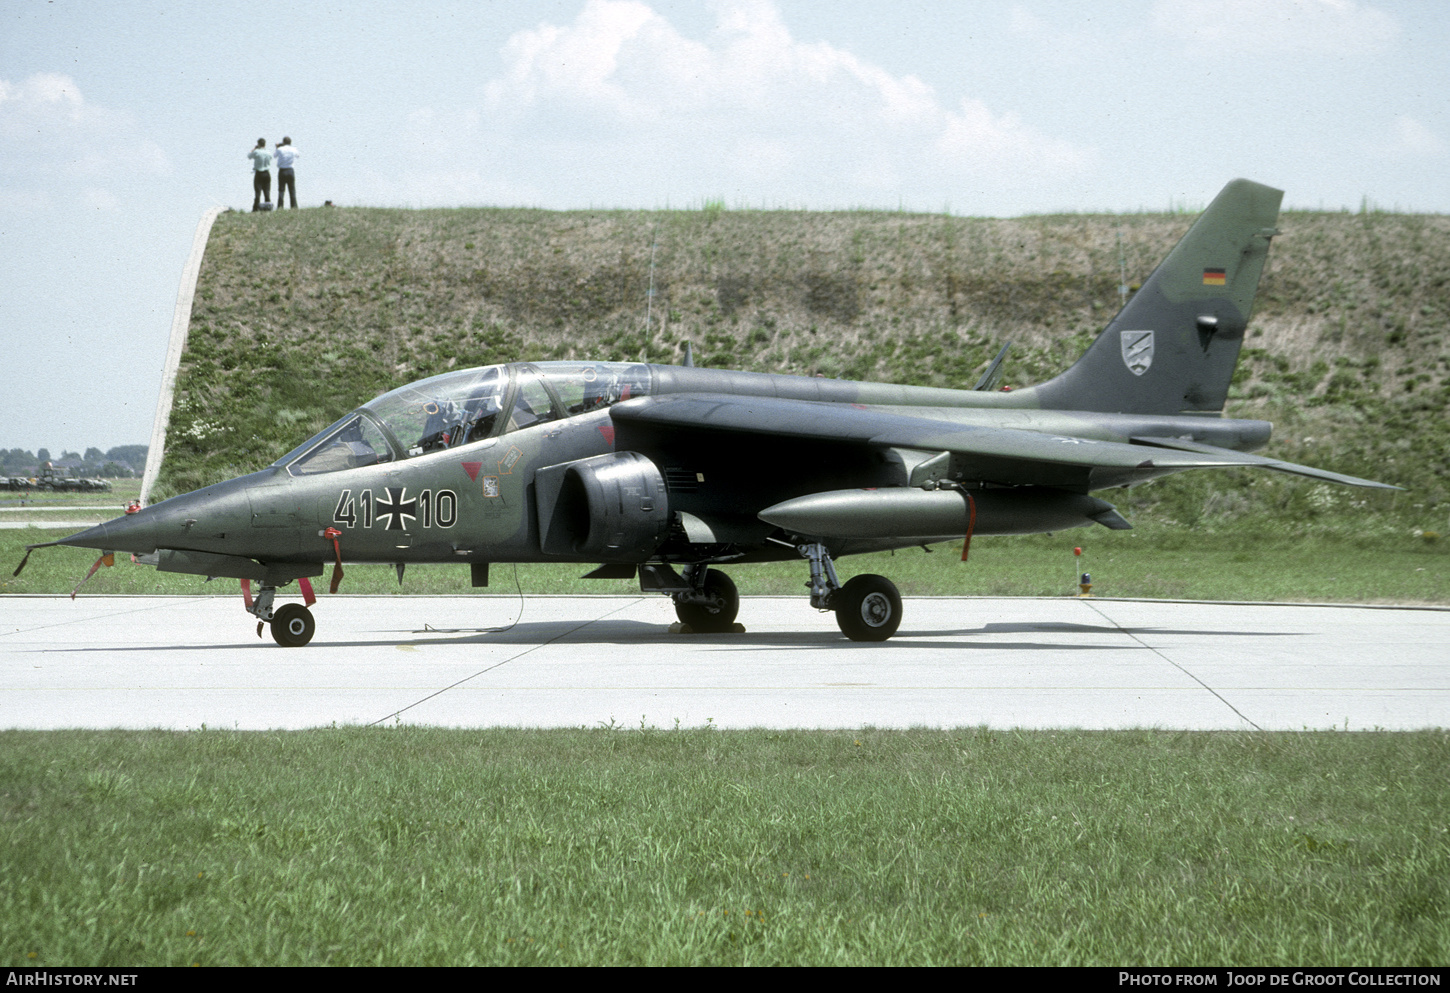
58	480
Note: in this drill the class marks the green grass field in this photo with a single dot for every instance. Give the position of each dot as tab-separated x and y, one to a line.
410	846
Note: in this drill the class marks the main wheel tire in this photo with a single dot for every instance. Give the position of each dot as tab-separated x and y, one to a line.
292	625
705	619
868	608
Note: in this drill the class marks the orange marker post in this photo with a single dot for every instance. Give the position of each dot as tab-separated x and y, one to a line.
1085	580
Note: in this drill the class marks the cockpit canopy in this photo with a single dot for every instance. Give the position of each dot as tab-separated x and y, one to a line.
460	408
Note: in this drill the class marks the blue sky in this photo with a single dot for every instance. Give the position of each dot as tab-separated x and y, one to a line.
122	122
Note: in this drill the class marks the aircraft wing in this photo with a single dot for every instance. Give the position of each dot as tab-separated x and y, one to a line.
1263	461
1008	456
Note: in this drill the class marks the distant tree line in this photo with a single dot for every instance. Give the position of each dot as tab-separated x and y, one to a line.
119	462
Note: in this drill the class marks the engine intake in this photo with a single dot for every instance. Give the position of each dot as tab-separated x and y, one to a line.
610	508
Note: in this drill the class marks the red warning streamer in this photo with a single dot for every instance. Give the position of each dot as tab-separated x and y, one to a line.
971	525
333	534
107	559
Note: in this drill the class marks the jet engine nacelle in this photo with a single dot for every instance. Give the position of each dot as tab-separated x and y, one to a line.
610	508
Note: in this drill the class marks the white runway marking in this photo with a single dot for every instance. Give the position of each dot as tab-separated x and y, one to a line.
179	662
70	526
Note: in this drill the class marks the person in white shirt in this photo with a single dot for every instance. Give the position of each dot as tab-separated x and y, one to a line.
261	175
286	179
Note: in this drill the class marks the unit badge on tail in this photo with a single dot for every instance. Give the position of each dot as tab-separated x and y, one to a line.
1137	351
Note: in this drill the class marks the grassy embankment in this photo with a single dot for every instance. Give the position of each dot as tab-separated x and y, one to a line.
416	846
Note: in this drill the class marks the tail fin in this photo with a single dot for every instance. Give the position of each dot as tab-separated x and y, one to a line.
1173	348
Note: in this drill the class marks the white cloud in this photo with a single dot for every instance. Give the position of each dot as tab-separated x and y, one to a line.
66	144
617	103
1413	137
44	89
974	131
1022	21
1404	138
1399	140
1329	27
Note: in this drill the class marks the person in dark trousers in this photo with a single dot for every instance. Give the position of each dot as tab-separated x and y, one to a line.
261	175
286	179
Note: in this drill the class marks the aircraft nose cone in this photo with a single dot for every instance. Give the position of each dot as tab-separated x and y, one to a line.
140	533
180	522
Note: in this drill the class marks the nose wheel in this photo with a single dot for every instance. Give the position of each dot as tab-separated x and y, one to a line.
292	625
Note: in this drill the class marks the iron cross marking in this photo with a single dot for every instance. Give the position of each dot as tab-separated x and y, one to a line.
395	508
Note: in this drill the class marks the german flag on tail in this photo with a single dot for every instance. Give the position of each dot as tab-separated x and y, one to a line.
1215	277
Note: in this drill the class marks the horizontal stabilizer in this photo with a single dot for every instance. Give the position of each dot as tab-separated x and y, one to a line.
1262	462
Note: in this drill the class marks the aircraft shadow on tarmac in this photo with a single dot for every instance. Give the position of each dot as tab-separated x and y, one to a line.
934	638
534	633
1021	627
630	632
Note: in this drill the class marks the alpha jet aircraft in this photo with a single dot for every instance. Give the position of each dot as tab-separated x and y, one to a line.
669	473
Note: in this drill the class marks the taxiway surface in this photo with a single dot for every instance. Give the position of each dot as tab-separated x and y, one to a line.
180	662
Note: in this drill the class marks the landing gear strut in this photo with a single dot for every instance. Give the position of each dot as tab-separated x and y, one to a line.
292	624
868	607
711	603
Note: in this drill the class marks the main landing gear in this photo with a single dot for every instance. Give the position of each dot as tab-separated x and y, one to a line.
867	608
710	604
292	624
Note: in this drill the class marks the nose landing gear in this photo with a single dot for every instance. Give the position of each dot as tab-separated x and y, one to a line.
292	624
